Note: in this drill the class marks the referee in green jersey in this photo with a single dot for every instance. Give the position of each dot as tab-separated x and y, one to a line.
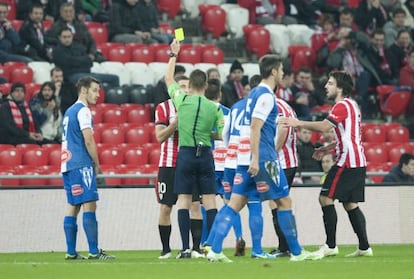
197	118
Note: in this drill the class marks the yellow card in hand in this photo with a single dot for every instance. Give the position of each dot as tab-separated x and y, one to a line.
179	34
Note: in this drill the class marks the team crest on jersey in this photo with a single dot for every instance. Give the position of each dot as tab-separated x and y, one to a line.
76	190
262	186
238	179
65	156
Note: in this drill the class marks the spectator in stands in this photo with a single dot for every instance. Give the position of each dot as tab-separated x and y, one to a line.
78	28
377	55
370	15
75	62
327	162
96	10
159	93
392	28
305	151
125	25
403	172
233	88
46	113
54	8
9	39
407	72
350	56
284	90
409	9
24	6
346	19
32	36
327	138
17	123
65	91
304	95
148	15
301	11
267	12
398	52
324	39
213	73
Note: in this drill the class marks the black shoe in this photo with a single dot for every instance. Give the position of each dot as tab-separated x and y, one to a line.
278	253
186	254
240	248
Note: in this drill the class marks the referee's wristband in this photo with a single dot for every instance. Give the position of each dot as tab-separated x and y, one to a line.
172	54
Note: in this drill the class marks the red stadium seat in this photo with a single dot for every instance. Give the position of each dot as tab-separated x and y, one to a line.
31	170
301	56
35	157
373	134
392	103
55	157
139	116
10	157
258	42
5	72
4	146
189	55
150	127
394	153
169	7
22	74
47	24
162	53
142	53
154	156
113	156
120	54
127	107
96	114
52	170
398	134
8	170
128	169
377	154
26	146
99	34
114	116
12	8
17	23
105	47
136	157
90	24
249	28
213	21
167	28
31	90
137	135
373	167
212	55
109	170
113	135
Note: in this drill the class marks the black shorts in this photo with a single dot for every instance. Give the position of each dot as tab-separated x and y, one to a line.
165	186
345	184
195	174
290	175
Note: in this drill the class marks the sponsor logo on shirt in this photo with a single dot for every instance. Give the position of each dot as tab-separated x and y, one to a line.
65	155
262	186
77	190
226	186
238	179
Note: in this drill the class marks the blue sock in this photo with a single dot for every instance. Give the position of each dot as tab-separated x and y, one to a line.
184	224
256	226
90	225
288	225
204	233
237	227
224	220
211	234
71	228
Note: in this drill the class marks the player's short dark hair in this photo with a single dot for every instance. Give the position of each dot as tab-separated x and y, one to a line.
86	82
343	81
179	69
398	11
267	63
213	89
198	80
254	81
405	159
180	78
404	30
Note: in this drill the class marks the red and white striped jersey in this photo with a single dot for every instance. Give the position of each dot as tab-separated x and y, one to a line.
288	154
164	114
346	118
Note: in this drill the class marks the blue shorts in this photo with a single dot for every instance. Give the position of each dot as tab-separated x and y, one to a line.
228	181
270	182
219	182
80	185
194	174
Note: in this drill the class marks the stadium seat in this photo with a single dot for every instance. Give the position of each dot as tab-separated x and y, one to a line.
35	157
190	7
189	55
96	114
142	53
279	39
137	94
394	153
110	170
116	95
169	8
41	71
112	135
99	34
117	115
301	56
136	157
154	156
300	34
116	68
376	167
139	116
137	135
22	74
150	128
106	46
374	134
393	103
55	158
398	134
376	154
213	56
128	169
17	23
111	156
12	7
52	170
5	72
31	170
166	28
47	24
26	146
4	146
8	170
162	54
236	18
391	125
10	156
140	73
213	21
120	54
158	68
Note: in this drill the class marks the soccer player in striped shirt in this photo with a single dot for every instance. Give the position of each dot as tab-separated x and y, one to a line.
346	179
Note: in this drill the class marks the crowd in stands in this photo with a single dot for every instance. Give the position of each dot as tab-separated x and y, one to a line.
372	40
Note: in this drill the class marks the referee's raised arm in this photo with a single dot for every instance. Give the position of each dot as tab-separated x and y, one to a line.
169	75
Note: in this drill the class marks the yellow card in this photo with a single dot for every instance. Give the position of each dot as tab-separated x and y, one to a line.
179	34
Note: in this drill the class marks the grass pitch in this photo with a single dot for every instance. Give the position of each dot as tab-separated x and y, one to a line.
389	261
